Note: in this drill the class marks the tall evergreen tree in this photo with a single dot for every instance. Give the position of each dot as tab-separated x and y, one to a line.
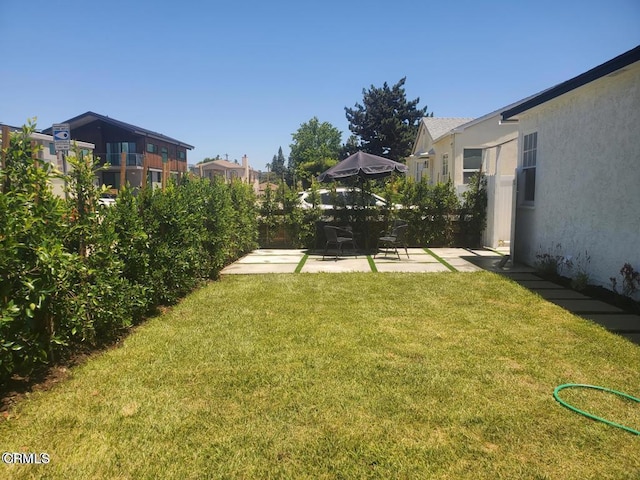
386	123
277	164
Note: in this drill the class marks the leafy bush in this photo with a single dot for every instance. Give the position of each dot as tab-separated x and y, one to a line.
550	262
269	220
34	266
434	213
630	281
75	274
473	214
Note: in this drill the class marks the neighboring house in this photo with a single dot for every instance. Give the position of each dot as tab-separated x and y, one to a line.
230	171
578	170
262	188
47	153
147	156
458	148
432	153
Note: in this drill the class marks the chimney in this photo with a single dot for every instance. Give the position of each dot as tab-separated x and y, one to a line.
245	166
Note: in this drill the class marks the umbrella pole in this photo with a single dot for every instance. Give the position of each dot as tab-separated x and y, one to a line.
364	212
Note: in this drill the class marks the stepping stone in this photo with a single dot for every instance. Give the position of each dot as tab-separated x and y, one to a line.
624	322
586	306
538	284
560	293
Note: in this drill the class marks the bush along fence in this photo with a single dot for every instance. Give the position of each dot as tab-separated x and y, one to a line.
75	274
435	214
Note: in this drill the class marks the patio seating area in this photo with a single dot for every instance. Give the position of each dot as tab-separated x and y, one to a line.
305	261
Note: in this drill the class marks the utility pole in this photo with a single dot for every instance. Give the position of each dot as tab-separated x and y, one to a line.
5	144
123	170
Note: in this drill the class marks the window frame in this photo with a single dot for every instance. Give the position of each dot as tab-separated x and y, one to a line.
529	167
472	171
445	166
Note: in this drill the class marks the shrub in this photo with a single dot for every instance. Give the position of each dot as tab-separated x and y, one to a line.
580	280
550	262
630	281
269	220
75	274
244	225
473	214
34	266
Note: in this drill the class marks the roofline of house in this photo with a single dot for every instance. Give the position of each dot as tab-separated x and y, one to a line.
127	126
231	166
595	73
423	124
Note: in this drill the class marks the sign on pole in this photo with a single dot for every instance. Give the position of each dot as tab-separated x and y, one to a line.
61	136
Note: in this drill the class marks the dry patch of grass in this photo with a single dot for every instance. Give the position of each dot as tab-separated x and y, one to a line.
340	376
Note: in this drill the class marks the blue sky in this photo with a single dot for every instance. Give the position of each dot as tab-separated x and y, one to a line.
239	77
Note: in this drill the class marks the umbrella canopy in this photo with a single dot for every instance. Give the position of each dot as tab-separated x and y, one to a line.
363	165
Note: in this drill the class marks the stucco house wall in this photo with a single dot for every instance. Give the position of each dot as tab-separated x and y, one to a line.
498	142
587	176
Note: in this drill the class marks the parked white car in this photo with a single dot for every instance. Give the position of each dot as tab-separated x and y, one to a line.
344	196
107	200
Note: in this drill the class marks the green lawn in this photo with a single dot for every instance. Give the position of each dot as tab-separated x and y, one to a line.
441	376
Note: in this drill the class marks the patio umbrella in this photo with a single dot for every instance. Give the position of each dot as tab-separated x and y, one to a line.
363	165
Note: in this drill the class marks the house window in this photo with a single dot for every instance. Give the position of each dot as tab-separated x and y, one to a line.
445	167
165	154
153	176
115	149
529	159
182	155
152	148
111	179
52	148
471	163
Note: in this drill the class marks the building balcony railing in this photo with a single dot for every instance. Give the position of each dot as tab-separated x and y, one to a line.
115	159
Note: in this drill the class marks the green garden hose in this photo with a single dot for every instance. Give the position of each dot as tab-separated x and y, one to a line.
587	414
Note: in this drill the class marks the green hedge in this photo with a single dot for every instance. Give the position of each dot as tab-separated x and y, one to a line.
435	214
75	274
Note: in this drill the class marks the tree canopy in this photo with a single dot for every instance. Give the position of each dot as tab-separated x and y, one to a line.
315	148
386	123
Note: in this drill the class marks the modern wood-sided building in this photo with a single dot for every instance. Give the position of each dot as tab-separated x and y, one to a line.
135	155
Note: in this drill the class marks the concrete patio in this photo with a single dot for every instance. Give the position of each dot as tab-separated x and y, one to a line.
303	261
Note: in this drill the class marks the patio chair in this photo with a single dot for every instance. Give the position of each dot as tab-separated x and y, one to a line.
397	237
338	236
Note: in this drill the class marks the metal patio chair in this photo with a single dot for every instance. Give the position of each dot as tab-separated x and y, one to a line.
338	236
397	237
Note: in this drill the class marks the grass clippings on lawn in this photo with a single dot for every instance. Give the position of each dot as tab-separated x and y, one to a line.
341	376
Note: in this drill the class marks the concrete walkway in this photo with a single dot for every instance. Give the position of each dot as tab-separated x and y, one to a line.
440	260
